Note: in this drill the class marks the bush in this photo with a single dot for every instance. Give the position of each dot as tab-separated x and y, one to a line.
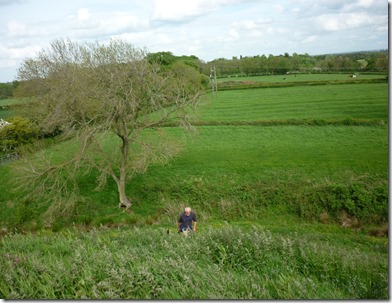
19	132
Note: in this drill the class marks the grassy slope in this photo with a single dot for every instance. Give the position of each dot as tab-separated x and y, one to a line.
279	257
224	165
222	262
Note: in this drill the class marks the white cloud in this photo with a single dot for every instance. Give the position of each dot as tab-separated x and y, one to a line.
252	24
163	39
348	21
181	10
278	8
15	54
17	29
206	28
83	15
310	39
87	25
83	19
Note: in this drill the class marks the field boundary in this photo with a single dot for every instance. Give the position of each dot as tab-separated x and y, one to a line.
293	122
235	85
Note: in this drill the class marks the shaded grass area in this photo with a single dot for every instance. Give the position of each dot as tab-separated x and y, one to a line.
245	261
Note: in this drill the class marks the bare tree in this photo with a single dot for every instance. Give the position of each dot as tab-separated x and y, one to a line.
98	94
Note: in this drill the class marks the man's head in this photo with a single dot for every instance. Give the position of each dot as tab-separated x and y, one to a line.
187	211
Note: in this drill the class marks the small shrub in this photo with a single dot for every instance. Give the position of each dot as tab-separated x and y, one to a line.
105	221
324	217
131	219
20	131
85	219
381	231
348	222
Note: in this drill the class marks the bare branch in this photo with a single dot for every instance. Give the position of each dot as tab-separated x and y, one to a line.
93	93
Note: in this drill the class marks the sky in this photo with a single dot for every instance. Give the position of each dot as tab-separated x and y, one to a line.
208	29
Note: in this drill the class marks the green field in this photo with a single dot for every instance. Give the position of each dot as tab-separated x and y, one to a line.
273	174
329	102
302	77
5	113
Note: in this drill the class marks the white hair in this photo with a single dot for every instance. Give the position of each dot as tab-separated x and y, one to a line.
187	209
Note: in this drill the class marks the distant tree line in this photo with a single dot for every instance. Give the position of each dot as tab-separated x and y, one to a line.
365	61
7	89
374	61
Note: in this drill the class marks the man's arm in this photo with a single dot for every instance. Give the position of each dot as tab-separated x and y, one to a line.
194	226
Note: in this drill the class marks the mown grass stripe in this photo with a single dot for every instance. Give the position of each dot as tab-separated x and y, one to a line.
332	102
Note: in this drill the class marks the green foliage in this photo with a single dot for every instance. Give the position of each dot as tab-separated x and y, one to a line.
7	89
182	66
364	200
300	63
162	58
19	132
183	69
226	262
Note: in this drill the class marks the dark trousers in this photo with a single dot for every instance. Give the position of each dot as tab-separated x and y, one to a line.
185	227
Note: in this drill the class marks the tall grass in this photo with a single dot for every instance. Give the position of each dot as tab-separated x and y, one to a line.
230	262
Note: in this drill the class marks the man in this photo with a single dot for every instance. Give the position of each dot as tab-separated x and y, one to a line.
186	219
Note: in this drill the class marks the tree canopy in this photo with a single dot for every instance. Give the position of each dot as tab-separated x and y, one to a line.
90	91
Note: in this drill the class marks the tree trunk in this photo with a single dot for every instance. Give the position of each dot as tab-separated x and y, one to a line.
125	202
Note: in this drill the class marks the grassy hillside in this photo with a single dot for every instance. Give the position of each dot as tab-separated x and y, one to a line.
272	174
219	262
235	171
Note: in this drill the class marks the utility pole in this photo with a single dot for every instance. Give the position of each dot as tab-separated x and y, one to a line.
213	81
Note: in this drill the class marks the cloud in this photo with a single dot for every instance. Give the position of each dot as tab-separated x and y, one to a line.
9	2
83	19
18	29
180	10
103	25
252	24
345	21
10	56
310	39
278	8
